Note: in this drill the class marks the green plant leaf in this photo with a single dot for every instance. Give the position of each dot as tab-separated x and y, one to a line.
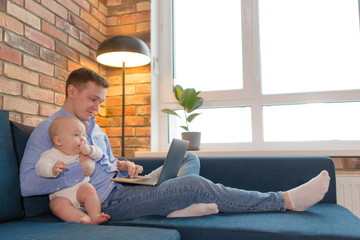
178	90
192	116
185	128
188	99
169	111
198	103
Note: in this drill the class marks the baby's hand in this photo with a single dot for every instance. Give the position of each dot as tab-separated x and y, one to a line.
84	148
58	168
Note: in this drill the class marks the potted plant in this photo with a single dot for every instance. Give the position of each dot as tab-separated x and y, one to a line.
190	101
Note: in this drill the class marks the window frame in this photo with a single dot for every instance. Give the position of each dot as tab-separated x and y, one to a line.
162	95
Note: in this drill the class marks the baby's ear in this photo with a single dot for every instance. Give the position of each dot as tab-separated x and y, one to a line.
57	141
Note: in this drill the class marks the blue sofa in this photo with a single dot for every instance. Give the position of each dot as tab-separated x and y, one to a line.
30	218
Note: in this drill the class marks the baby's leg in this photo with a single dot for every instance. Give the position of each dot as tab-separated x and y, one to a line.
308	194
87	197
65	210
195	210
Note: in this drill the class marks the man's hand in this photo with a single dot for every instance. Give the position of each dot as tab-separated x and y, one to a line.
131	168
58	167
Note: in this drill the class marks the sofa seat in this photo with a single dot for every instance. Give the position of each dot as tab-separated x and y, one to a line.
322	221
51	228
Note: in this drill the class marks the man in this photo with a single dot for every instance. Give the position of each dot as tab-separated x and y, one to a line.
186	195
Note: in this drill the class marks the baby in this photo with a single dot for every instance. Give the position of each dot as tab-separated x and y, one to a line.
70	146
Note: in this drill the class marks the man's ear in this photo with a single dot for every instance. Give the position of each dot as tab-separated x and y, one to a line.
57	141
71	90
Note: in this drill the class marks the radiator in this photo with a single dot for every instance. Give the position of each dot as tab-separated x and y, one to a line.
348	192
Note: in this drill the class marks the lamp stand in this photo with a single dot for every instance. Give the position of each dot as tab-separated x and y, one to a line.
123	112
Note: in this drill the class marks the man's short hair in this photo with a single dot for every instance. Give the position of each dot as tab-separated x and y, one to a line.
79	77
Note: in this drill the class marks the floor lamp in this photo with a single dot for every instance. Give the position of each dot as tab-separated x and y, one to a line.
123	52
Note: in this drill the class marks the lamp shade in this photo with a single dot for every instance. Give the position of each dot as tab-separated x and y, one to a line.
123	49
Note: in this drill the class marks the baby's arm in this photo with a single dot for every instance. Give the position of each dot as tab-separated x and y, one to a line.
48	166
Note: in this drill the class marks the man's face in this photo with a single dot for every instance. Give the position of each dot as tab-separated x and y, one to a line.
86	102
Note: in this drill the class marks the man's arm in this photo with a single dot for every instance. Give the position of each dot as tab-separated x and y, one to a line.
31	184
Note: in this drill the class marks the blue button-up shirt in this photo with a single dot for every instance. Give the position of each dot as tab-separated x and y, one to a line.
39	141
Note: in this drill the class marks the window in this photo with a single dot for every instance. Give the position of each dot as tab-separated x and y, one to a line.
275	75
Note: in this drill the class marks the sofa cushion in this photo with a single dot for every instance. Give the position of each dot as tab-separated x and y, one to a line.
30	229
10	200
322	221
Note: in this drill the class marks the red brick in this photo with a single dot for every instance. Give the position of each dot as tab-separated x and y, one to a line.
61	73
20	42
40	11
120	10
83	4
115	142
135	17
138	99
141	27
87	17
21	105
37	93
99	36
53	31
89	41
113	21
114	111
121	30
70	5
66	51
78	46
10	55
3	5
10	87
113	131
79	23
53	57
23	15
39	38
48	109
143	110
113	3
11	23
143	131
20	73
38	65
88	63
143	6
73	66
67	27
32	120
59	99
55	8
52	83
136	121
98	15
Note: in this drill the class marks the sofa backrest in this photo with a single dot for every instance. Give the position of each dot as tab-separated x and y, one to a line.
36	205
268	173
262	174
10	198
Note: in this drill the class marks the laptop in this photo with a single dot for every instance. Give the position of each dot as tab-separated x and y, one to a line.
170	169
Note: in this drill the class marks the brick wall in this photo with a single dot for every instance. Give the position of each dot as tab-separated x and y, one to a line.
42	41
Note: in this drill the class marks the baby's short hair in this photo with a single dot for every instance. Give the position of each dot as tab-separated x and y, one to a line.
57	124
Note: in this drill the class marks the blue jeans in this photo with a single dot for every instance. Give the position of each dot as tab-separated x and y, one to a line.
188	188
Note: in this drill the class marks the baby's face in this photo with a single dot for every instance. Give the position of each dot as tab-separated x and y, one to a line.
72	136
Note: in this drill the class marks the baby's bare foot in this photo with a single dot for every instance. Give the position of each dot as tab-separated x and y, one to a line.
85	220
100	219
